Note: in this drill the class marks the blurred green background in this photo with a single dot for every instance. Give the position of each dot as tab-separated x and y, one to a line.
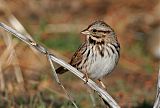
25	75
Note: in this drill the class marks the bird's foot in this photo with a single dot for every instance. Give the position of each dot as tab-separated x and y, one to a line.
102	84
85	77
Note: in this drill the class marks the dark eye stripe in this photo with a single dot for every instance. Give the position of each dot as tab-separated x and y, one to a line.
103	31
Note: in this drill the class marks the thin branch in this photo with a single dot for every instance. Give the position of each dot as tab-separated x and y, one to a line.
2	81
12	55
44	51
19	27
157	102
58	81
102	93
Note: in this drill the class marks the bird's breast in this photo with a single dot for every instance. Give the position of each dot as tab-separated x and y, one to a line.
101	61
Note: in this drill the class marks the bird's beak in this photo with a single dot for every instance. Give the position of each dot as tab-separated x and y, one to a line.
85	32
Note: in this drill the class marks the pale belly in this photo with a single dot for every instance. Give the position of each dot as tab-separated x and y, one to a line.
98	66
101	66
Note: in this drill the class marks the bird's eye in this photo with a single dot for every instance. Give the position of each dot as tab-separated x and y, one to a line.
103	24
94	30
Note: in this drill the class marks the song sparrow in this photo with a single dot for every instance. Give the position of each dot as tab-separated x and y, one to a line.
99	54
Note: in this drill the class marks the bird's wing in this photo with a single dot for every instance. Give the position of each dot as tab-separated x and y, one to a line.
78	55
75	60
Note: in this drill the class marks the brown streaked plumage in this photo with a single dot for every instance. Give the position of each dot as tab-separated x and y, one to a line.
99	54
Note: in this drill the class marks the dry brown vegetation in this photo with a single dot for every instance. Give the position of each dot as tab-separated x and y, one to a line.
25	75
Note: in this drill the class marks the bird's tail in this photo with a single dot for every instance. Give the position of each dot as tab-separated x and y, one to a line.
61	70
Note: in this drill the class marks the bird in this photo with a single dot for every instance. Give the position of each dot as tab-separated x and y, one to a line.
98	55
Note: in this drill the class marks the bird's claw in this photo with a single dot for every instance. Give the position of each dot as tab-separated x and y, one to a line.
86	78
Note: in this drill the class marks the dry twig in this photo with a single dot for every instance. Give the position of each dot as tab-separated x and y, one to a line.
102	93
58	81
157	101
